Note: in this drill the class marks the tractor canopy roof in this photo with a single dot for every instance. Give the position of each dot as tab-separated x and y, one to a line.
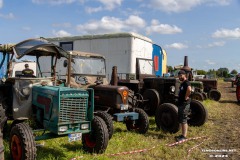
34	47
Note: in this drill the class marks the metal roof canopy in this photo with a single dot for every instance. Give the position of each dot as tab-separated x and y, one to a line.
34	47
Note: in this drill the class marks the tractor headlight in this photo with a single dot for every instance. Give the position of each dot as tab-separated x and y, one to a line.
124	107
193	89
172	89
85	126
63	128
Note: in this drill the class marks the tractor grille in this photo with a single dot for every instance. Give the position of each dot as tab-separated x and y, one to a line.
73	109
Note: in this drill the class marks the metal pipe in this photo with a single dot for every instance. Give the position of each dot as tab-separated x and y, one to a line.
69	69
114	79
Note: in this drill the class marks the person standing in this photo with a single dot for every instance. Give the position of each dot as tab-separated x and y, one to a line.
27	71
237	82
183	104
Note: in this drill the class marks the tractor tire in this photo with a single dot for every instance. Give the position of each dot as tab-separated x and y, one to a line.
141	125
1	146
205	96
97	140
22	143
153	101
166	117
108	120
214	94
197	96
198	115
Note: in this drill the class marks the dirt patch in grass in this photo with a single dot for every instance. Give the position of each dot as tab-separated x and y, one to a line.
225	116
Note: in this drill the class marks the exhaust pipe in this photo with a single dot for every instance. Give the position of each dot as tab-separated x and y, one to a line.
187	69
114	78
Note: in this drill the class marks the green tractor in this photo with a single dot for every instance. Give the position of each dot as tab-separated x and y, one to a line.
38	103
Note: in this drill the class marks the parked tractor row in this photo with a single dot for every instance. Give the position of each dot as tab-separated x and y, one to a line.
70	95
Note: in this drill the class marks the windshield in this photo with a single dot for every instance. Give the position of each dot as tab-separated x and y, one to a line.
146	66
89	66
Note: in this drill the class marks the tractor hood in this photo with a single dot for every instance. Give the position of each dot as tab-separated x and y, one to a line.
38	47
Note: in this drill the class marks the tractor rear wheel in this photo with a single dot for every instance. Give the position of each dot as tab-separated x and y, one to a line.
153	100
214	94
97	140
166	117
108	120
197	96
22	143
198	115
140	125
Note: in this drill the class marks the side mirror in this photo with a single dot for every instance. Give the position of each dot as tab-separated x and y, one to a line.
65	63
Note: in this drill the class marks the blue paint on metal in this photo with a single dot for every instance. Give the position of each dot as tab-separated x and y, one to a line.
157	52
3	69
120	117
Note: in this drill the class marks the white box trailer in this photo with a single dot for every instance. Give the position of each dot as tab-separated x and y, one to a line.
119	49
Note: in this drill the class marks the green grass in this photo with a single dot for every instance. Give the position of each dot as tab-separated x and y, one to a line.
123	140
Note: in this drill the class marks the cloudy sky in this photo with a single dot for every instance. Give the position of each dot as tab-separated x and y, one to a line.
208	31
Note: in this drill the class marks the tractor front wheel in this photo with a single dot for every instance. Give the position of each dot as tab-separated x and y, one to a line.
166	117
97	140
197	96
214	95
204	96
22	144
140	125
108	120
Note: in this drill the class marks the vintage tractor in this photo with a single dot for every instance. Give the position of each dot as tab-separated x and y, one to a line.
43	104
206	87
210	87
89	71
158	95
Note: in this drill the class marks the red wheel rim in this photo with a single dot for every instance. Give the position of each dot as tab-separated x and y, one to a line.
89	142
16	148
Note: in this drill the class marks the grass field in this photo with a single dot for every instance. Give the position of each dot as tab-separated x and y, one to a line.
222	131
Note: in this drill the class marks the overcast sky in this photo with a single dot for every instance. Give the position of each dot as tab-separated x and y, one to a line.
208	31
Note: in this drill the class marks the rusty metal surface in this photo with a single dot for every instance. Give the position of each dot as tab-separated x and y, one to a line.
114	78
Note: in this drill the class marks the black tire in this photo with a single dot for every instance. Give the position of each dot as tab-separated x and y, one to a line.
153	98
1	146
205	96
140	125
166	118
197	96
214	95
198	115
3	117
108	120
22	143
97	140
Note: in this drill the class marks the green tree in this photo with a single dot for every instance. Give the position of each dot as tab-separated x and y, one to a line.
234	71
222	72
201	72
170	68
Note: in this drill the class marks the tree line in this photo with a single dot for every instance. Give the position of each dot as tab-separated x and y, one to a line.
221	72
